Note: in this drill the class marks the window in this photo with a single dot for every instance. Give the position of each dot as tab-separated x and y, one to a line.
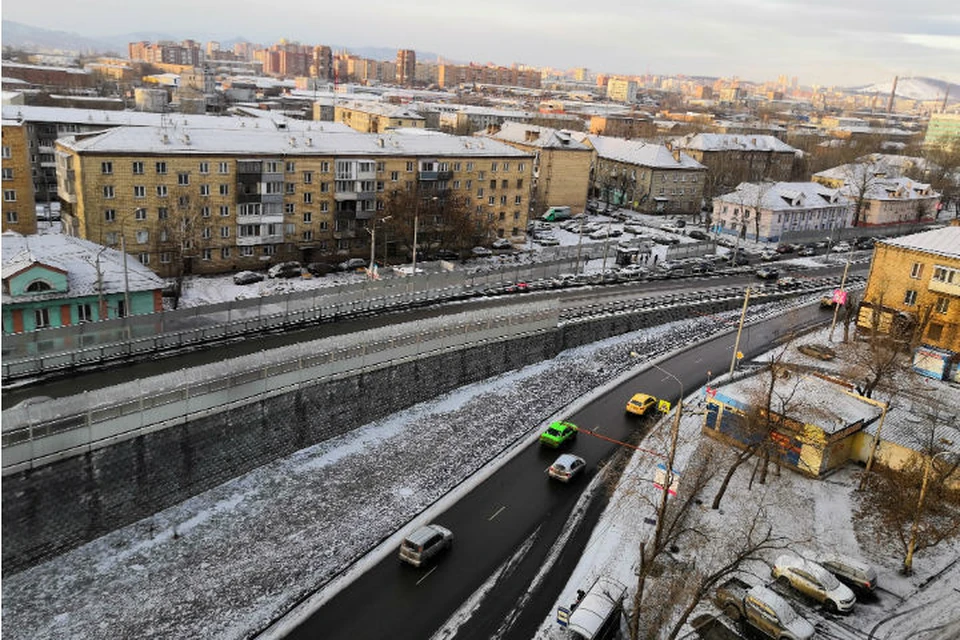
164	234
204	190
84	313
506	166
225	253
394	176
910	298
204	169
41	317
307	217
469	166
249	209
946	275
224	189
140	214
224	210
479	192
291	167
503	201
481	175
289	208
410	166
325	187
144	258
110	237
223	168
308	235
107	194
7	173
183	179
518	199
161	191
162	168
206	254
942	305
143	236
491	200
165	257
6	152
381	166
137	168
272	188
271	166
163	213
324	207
206	233
493	185
109	215
521	166
106	168
269	250
916	270
519	183
325	167
291	188
307	198
307	177
12	217
139	191
935	331
493	167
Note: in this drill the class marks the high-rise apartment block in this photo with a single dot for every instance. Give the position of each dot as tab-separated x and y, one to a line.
183	53
621	90
406	67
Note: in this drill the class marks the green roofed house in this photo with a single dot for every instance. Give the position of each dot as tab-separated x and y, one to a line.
56	280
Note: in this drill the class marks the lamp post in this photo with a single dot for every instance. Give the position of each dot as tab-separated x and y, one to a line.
416	223
668	475
373	242
736	344
912	545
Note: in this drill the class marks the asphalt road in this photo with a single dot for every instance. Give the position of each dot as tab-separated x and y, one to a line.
518	513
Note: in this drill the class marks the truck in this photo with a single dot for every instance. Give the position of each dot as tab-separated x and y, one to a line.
762	609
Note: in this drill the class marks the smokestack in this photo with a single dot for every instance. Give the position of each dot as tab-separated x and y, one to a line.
946	94
893	93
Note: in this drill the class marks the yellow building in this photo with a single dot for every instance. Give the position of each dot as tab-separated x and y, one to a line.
561	166
19	211
914	285
375	117
217	201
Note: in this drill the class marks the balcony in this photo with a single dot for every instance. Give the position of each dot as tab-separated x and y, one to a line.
445	175
260	219
345	234
429	176
252	241
947	288
341	196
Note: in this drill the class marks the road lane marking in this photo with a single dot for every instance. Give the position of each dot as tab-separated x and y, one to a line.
496	514
426	575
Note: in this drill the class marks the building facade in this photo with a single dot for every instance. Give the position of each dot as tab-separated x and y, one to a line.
451	75
914	284
732	158
19	206
943	130
376	117
621	90
765	211
406	67
211	201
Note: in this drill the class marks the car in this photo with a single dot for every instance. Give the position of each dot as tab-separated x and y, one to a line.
769	256
285	270
702	266
352	264
696	234
599	234
840	247
566	467
807	252
321	268
557	433
635	229
789	283
813	580
247	277
738	260
518	287
640	403
784	248
865	243
857	575
767	273
819	351
502	243
446	254
425	544
547	242
481	252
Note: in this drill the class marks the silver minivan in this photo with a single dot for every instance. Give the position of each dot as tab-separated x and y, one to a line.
425	543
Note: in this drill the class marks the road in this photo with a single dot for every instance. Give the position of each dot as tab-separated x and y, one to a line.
517	514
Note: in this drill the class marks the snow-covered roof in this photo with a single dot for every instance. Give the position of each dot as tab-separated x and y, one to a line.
916	422
893	189
733	142
537	136
382	109
78	258
942	242
784	196
643	154
41	67
253	140
860	172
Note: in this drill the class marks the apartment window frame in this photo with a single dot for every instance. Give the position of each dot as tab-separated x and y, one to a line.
910	298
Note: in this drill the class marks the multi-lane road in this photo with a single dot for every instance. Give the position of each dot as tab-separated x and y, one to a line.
512	520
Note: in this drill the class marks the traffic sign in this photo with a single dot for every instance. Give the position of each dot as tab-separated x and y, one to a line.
663	406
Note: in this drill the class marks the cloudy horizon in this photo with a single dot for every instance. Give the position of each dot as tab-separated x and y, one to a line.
822	42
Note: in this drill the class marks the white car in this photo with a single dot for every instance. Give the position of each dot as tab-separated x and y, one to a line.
840	247
502	243
811	579
481	252
566	467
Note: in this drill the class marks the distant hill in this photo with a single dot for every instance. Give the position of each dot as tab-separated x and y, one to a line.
22	36
915	89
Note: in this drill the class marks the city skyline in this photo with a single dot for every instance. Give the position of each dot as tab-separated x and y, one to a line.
821	43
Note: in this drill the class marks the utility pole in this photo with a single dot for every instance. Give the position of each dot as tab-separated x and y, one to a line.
126	277
736	345
836	303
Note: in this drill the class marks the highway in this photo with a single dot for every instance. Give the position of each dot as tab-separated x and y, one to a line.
514	517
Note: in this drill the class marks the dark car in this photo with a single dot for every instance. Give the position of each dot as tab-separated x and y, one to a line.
352	264
247	277
766	273
320	269
285	270
785	248
738	260
696	234
446	254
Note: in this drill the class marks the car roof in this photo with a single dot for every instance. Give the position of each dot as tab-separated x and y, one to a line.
424	533
567	459
642	396
784	611
807	565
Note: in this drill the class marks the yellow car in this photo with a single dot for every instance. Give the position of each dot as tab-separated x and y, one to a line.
640	403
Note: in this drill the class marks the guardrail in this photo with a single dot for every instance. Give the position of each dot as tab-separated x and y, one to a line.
36	434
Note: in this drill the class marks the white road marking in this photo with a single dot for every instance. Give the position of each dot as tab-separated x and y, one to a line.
426	575
499	511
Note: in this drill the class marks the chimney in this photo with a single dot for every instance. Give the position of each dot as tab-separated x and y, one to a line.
893	94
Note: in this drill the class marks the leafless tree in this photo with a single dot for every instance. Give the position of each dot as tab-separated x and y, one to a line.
443	220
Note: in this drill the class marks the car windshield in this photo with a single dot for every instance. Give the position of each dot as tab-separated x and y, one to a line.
553	432
829	580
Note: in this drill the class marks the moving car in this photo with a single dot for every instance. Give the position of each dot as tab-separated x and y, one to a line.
247	277
285	270
640	403
557	433
857	575
811	579
566	467
425	543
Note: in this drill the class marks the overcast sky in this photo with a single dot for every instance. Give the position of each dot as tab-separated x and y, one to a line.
821	41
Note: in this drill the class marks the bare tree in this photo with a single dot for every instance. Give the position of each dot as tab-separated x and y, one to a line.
882	354
443	220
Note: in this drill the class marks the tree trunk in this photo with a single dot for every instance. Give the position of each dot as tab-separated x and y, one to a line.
741	458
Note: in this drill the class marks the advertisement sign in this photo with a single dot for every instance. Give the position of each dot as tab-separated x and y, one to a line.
660	479
839	296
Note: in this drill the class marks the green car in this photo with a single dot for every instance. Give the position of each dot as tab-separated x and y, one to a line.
558	433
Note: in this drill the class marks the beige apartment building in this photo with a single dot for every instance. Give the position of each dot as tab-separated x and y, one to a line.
374	117
219	201
621	90
561	165
19	211
734	158
914	284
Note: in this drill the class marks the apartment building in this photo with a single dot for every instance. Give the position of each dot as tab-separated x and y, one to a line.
451	75
406	67
765	211
943	130
882	195
914	285
19	211
621	90
186	53
218	201
375	117
561	165
643	176
732	158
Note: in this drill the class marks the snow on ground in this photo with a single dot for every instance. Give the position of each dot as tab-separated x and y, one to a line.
228	561
816	515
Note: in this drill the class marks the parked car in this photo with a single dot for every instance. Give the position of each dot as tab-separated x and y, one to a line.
555	214
762	609
285	270
840	247
502	243
557	433
247	277
640	404
446	254
566	467
789	283
811	579
321	268
481	252
599	234
857	575
807	251
767	273
696	234
738	260
702	266
549	241
352	264
819	351
865	243
785	248
425	544
769	256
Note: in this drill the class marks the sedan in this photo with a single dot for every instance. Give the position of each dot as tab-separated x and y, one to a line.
247	277
502	243
285	270
640	403
840	247
352	264
481	252
767	273
557	433
811	579
566	467
807	251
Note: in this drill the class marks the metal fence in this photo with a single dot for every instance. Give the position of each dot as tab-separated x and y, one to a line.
35	434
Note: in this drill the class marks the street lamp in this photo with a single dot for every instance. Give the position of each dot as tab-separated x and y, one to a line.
668	475
911	547
373	242
416	222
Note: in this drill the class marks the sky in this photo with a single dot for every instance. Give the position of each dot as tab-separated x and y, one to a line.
822	42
